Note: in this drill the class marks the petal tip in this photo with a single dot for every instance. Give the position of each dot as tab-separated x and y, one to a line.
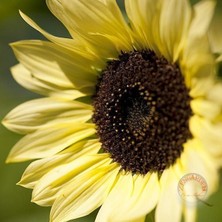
9	159
20	183
4	122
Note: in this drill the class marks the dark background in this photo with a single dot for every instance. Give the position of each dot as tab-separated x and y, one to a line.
15	205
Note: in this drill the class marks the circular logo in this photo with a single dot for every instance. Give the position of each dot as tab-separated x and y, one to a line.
192	187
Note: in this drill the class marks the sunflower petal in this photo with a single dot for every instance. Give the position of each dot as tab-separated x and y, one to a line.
201	86
120	192
146	190
49	140
36	170
215	34
75	45
79	199
209	133
31	115
157	30
205	108
197	56
52	63
214	94
101	18
203	14
169	205
129	205
50	185
173	32
142	22
26	79
219	59
65	42
190	213
196	160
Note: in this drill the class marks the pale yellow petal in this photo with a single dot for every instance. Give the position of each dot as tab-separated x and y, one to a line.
219	59
57	8
33	114
215	34
190	213
200	86
174	22
187	190
122	189
197	160
26	79
54	64
65	42
169	205
143	199
133	203
84	194
49	140
197	59
36	170
154	27
101	20
198	66
142	22
68	43
215	93
205	108
51	184
203	14
209	134
75	45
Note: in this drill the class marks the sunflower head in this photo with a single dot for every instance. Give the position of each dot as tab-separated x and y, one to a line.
132	105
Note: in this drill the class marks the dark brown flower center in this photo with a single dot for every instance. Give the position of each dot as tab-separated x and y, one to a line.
141	110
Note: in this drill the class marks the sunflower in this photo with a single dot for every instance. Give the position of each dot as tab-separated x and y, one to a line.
132	104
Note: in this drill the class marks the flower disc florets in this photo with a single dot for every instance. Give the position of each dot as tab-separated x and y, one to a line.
141	110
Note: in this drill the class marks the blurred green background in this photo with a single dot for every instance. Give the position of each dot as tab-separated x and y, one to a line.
15	205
